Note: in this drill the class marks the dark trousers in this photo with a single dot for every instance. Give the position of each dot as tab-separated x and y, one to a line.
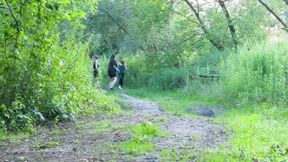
95	73
121	78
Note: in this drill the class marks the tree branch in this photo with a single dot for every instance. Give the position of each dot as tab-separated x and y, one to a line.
186	17
181	14
117	23
202	26
230	23
14	18
120	26
275	15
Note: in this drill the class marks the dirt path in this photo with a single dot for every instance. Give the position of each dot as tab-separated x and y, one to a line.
187	134
94	139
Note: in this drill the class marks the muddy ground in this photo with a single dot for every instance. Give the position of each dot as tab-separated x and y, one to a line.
95	139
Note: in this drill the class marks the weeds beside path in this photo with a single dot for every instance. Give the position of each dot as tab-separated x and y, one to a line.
106	138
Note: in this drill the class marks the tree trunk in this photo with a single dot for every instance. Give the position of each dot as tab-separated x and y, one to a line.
230	24
203	27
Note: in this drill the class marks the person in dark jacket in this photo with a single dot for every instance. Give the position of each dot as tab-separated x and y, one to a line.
122	69
112	72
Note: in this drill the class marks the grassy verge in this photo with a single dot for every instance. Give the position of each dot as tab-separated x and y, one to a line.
258	132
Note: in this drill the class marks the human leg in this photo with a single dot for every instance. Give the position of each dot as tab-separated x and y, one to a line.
110	83
113	80
121	80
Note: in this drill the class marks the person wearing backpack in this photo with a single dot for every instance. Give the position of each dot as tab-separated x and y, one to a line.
112	71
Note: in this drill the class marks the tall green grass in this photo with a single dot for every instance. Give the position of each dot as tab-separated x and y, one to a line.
257	74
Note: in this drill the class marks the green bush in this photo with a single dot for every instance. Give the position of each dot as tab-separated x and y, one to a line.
140	69
257	74
46	72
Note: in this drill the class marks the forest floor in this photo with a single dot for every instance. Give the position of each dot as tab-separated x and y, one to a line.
143	132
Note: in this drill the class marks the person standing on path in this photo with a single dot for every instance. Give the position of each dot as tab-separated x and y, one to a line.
112	71
95	66
122	69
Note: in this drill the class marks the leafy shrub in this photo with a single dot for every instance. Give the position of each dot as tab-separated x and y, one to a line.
46	72
140	69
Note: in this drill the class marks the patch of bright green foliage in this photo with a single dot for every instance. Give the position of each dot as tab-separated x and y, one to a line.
142	138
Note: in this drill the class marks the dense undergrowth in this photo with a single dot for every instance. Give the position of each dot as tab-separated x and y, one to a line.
45	71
